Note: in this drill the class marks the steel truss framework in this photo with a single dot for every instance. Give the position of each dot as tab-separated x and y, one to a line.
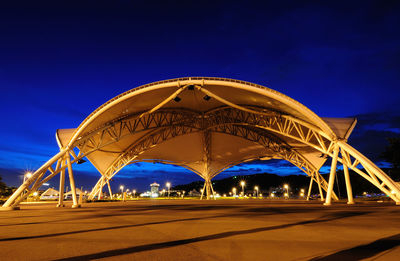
236	124
251	123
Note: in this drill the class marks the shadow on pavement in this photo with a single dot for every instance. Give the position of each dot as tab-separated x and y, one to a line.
106	228
363	251
149	247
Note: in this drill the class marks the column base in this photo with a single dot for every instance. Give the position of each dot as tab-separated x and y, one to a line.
351	203
398	203
9	208
75	206
60	205
327	204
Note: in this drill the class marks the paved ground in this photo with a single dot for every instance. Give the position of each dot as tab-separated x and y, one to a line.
201	230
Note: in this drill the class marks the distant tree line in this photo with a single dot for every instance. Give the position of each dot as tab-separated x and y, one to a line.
392	155
5	190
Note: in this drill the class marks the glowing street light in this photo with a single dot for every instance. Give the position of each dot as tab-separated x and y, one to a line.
234	191
168	186
272	195
256	189
134	192
122	192
27	176
242	183
286	186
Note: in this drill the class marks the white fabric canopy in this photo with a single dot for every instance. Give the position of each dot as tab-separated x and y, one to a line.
188	150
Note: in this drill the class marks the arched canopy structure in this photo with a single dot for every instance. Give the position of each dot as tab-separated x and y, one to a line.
207	125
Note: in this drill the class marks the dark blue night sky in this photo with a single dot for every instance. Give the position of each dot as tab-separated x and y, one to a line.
60	60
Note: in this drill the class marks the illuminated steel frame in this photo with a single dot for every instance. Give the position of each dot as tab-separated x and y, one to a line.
248	122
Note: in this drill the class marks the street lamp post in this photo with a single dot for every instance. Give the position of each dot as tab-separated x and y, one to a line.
168	186
134	193
242	183
234	191
122	191
286	186
256	189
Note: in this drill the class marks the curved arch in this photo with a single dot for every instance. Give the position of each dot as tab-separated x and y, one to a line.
266	140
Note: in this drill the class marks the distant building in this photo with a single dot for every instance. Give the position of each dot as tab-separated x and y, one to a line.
154	190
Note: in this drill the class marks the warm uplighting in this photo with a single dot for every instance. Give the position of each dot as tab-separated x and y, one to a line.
301	194
286	186
285	195
272	195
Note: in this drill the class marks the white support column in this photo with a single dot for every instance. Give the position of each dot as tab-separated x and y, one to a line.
208	189
94	189
202	191
310	187
321	192
212	190
350	199
109	189
206	139
332	175
101	188
62	185
72	183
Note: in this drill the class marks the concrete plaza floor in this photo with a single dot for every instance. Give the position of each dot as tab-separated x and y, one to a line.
202	230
